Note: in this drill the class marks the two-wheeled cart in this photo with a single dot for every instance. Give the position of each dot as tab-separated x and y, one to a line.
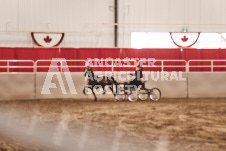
134	93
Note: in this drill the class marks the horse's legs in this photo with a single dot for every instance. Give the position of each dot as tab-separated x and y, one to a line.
116	89
104	88
84	91
111	88
94	95
114	82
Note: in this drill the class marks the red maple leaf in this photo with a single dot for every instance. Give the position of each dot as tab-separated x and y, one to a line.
184	39
47	39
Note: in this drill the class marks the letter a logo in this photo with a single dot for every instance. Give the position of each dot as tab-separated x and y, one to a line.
54	70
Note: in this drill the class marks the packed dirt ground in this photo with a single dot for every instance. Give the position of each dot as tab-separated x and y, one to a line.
69	124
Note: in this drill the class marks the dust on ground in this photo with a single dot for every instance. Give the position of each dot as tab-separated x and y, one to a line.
170	124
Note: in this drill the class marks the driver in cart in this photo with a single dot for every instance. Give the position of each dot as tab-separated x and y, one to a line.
137	81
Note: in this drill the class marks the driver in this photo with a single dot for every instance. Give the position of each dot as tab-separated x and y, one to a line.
138	76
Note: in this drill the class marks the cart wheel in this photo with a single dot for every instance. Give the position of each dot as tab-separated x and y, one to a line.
143	94
155	94
133	96
120	97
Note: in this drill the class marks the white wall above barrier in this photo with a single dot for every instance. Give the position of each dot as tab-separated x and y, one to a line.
193	85
206	85
16	86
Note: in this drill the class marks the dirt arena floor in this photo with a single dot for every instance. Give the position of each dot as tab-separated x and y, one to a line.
106	125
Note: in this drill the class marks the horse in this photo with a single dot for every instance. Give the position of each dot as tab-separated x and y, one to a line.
93	82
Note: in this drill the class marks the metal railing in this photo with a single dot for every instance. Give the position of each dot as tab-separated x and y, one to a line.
146	64
61	66
112	64
184	65
203	65
8	66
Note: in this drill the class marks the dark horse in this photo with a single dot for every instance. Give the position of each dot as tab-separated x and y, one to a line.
94	83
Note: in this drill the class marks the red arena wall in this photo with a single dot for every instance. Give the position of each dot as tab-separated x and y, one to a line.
84	53
35	54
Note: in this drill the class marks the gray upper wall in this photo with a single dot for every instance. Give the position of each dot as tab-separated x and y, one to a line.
90	23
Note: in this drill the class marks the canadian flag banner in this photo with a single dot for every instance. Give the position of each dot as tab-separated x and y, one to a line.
184	39
47	39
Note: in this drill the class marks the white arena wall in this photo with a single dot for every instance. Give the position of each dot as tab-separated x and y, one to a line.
206	85
16	86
